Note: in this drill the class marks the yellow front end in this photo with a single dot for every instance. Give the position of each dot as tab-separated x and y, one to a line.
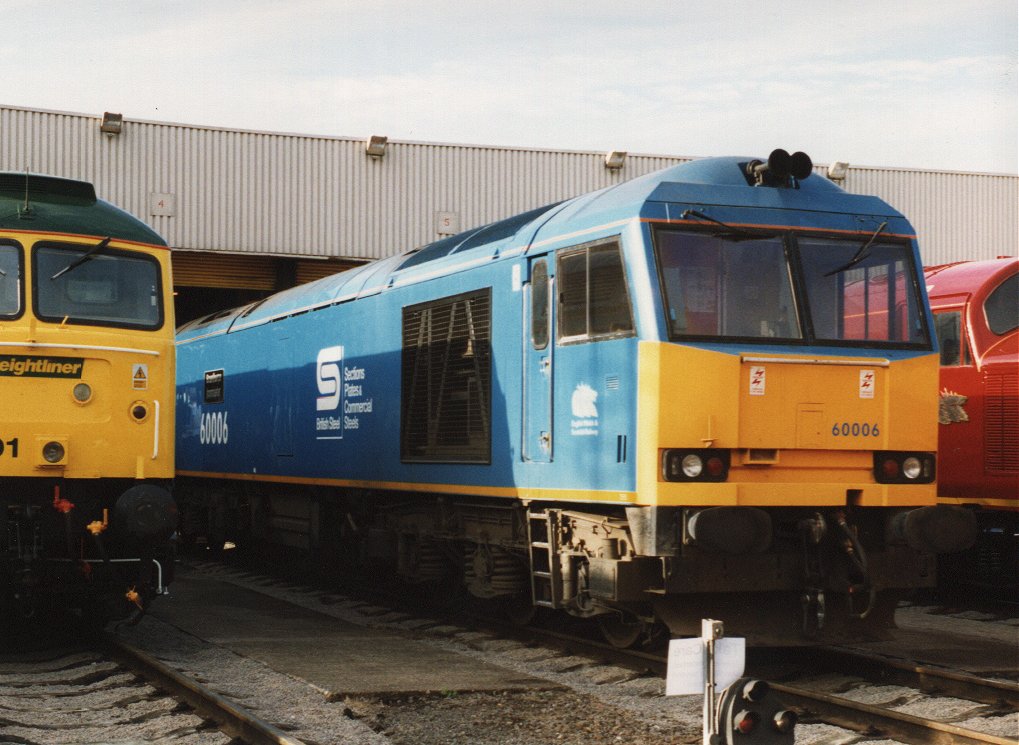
801	429
84	400
86	403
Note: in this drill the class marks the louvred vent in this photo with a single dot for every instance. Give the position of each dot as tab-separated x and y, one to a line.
1001	423
446	396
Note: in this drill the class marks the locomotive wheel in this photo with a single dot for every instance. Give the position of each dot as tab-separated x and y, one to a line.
621	630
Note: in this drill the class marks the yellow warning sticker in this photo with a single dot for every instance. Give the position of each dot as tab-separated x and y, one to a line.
140	377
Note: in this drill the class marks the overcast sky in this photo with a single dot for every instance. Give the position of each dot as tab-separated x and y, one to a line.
912	83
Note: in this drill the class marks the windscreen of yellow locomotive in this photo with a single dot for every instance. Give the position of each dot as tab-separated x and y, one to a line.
722	287
873	298
115	288
10	281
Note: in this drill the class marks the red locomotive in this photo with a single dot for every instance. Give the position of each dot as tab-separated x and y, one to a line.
976	313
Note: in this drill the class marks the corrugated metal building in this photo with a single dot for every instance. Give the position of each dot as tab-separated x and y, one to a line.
262	210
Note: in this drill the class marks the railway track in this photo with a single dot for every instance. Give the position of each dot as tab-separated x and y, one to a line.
881	721
875	696
102	689
991	697
231	718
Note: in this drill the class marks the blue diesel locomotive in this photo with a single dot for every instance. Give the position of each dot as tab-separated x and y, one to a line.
707	391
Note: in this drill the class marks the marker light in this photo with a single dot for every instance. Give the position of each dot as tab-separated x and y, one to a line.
784	721
700	464
890	468
756	690
745	722
748	704
716	467
82	392
53	452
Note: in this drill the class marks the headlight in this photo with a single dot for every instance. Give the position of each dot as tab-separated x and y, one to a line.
692	466
53	452
911	468
82	393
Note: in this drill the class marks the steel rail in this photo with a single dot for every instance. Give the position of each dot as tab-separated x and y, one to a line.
875	721
842	712
234	720
926	678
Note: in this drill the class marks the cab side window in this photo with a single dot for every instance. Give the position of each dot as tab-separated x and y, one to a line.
539	305
1002	307
948	325
594	301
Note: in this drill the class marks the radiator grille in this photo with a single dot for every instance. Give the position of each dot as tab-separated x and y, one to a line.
1001	423
446	380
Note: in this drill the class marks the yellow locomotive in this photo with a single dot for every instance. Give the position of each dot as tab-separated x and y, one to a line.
86	402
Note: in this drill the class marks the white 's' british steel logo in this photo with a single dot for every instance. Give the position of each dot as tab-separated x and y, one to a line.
328	373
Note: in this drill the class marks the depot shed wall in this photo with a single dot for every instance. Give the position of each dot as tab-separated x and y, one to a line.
265	194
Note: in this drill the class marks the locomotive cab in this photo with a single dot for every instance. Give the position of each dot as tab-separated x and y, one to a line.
783	440
86	376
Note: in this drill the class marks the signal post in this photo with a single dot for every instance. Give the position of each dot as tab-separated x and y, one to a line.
746	711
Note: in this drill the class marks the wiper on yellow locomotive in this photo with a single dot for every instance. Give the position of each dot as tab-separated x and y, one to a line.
862	254
83	258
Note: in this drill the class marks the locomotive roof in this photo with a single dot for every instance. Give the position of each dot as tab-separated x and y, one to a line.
968	277
31	201
710	181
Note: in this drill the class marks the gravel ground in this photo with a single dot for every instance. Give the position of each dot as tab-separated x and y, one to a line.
290	704
592	708
520	718
78	697
591	703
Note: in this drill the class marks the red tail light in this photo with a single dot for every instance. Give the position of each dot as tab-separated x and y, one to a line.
890	469
745	722
715	467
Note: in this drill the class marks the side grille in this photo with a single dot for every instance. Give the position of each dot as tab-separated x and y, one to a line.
447	380
1001	423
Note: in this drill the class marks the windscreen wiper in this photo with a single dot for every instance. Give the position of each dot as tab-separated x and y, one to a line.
743	233
862	254
83	258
